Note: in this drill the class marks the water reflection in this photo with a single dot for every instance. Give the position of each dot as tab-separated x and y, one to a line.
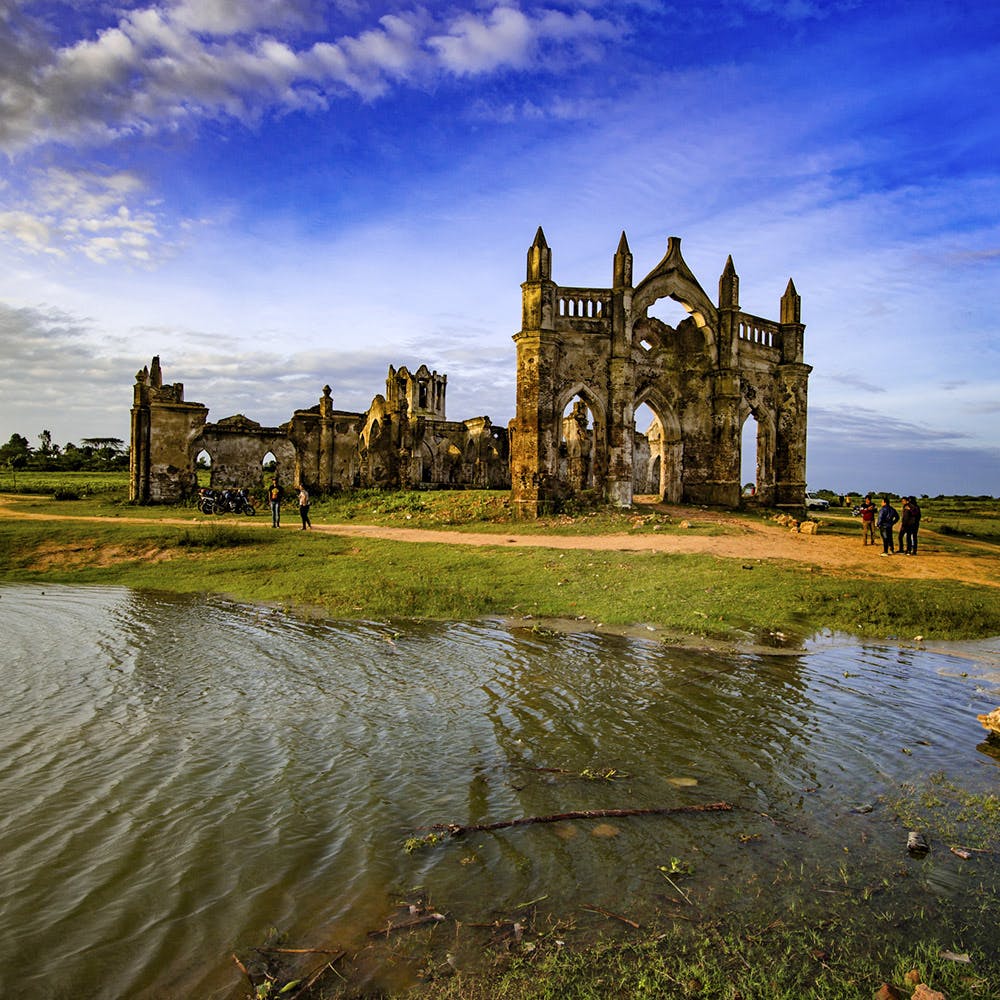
185	773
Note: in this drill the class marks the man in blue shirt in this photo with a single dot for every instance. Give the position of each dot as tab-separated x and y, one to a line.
887	517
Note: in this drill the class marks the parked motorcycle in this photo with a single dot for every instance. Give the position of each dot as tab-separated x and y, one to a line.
206	500
226	502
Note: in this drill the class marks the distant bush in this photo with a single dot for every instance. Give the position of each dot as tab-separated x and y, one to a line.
66	493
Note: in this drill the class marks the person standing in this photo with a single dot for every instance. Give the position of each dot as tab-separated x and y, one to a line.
274	498
904	503
868	521
304	507
887	517
909	525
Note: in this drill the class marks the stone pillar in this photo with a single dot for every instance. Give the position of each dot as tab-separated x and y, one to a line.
620	418
724	490
728	333
790	443
792	390
533	423
138	490
618	431
792	329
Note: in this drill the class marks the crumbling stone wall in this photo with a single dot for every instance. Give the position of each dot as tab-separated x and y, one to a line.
402	440
600	350
164	429
406	441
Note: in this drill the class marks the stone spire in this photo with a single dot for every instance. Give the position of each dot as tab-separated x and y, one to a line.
791	305
623	264
539	259
729	286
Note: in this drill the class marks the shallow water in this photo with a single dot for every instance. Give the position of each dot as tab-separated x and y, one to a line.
183	774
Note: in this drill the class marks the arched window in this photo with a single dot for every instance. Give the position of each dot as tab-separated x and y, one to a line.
748	456
576	445
646	457
203	468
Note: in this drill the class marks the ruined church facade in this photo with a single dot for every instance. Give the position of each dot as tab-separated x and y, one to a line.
588	358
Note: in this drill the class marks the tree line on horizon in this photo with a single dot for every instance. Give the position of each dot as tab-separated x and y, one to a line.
91	455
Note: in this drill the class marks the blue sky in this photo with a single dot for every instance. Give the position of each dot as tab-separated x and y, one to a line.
273	195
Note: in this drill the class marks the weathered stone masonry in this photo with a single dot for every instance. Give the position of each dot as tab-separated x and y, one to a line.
587	359
600	348
402	440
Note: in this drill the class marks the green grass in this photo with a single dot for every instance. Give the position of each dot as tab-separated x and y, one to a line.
490	511
682	595
92	484
840	957
824	963
949	814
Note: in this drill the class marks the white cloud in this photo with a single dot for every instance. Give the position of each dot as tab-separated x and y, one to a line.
26	229
159	67
228	17
506	37
103	216
475	45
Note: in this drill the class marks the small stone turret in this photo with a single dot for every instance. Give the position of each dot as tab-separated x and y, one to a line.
729	286
791	326
539	259
622	277
422	393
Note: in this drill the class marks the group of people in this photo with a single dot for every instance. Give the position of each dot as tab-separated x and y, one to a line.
885	519
274	499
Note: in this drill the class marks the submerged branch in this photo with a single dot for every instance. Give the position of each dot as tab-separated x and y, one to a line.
456	830
607	913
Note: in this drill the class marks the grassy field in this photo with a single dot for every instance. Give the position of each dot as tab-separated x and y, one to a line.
679	595
112	485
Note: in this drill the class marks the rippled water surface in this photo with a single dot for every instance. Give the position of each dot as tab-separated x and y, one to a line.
180	775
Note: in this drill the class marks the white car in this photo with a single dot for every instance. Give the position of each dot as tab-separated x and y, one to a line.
815	502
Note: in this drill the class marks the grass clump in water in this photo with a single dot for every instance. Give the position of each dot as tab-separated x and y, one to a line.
950	814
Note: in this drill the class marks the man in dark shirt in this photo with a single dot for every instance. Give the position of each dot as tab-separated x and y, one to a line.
908	526
887	517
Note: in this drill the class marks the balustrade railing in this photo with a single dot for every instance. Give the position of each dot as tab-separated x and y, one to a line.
582	303
754	330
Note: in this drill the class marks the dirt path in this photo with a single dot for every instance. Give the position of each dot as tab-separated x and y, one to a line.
747	541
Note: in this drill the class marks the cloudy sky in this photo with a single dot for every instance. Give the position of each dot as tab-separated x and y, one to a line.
277	194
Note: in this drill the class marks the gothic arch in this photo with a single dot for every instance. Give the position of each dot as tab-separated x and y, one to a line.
764	476
596	461
672	279
667	454
594	402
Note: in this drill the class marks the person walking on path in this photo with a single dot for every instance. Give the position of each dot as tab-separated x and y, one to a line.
909	524
868	521
887	517
304	507
274	499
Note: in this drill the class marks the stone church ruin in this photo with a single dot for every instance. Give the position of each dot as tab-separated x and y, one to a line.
587	360
402	441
